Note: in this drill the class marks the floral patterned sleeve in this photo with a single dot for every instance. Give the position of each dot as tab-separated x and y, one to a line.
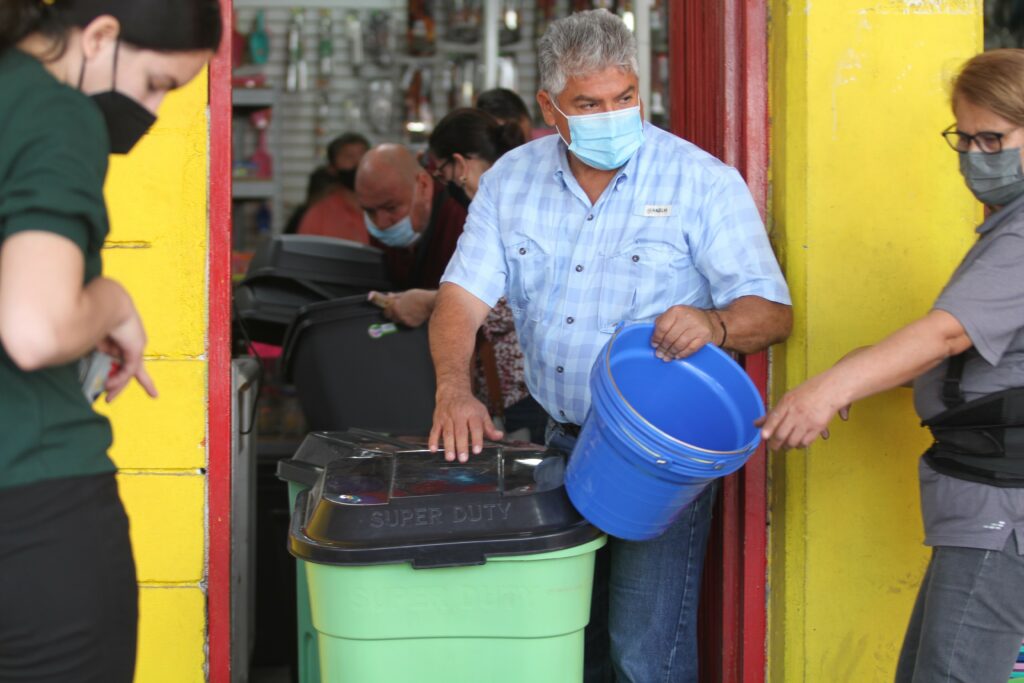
499	328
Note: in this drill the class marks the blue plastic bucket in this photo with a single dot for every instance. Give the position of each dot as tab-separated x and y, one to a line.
658	433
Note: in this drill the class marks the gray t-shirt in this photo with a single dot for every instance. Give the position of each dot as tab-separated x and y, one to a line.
986	294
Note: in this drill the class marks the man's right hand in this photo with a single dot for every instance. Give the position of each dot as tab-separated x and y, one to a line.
461	422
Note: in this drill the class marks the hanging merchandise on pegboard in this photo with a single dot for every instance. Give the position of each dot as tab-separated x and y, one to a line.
422	30
325	69
297	74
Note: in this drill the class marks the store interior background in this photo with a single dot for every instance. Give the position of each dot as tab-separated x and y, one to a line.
388	70
385	82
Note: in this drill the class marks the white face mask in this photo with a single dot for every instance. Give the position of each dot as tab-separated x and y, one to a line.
606	140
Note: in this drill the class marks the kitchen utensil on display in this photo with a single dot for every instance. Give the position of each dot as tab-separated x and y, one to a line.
297	71
625	12
508	73
381	106
422	30
464	21
261	161
259	41
354	36
379	41
545	14
238	43
325	68
509	29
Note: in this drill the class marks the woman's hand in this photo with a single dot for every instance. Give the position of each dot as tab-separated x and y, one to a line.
803	414
126	343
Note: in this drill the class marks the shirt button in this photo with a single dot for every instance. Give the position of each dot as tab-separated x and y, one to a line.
590	217
559	369
570	320
636	259
522	250
579	269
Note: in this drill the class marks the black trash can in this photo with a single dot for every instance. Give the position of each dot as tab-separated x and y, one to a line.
291	271
352	367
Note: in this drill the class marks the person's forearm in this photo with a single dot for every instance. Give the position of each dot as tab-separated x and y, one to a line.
456	318
751	324
899	358
38	337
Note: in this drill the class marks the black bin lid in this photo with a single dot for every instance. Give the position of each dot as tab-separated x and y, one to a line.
383	500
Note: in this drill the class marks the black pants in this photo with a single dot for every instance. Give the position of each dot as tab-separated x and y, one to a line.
68	596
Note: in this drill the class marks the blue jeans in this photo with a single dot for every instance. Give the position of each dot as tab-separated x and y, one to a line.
968	621
643	614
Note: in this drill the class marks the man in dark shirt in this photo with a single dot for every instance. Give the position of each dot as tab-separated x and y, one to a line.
414	220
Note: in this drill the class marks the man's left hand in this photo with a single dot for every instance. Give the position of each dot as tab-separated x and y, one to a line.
681	331
411	308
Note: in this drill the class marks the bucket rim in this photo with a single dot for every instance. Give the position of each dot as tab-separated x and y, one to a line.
660	432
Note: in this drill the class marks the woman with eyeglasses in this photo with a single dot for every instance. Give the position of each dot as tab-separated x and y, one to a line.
79	79
965	359
466	143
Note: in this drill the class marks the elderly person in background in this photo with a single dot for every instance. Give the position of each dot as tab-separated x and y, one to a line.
966	361
611	220
417	223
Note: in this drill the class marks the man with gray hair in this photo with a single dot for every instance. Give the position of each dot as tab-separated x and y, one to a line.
611	220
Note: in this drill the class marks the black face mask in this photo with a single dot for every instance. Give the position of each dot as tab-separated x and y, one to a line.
458	194
347	178
127	120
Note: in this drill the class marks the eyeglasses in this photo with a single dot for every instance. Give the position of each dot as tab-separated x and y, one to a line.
989	142
438	175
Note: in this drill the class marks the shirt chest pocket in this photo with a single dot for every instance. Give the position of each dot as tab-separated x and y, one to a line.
639	283
528	266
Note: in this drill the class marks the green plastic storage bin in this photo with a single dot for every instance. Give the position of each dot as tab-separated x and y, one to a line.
421	570
308	652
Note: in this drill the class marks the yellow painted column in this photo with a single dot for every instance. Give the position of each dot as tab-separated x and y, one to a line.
870	217
158	249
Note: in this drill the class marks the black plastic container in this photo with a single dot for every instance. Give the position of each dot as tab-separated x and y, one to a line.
292	271
380	500
353	367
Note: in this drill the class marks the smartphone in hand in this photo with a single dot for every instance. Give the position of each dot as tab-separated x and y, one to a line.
93	371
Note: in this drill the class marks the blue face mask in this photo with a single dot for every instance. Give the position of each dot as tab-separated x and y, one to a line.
605	140
400	234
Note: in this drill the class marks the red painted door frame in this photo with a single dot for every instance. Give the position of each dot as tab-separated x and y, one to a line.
719	71
719	101
218	355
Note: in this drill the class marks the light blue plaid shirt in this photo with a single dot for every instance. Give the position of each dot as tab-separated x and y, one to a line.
674	226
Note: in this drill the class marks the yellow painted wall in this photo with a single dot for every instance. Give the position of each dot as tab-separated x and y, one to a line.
158	249
870	217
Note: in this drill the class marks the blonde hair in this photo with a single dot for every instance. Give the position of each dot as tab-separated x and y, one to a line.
994	80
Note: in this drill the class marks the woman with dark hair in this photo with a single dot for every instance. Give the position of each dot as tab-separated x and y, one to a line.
465	144
508	107
80	79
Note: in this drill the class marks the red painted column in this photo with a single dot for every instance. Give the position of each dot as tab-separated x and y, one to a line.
218	588
718	94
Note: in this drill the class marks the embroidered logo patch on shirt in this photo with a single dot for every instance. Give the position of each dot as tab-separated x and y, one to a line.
658	210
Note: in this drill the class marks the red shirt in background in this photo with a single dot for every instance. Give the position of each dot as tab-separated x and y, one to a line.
335	215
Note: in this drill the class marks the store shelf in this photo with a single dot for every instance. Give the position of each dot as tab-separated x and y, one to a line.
253	189
253	97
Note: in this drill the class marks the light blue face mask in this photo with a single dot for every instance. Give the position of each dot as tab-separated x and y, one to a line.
400	234
605	140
